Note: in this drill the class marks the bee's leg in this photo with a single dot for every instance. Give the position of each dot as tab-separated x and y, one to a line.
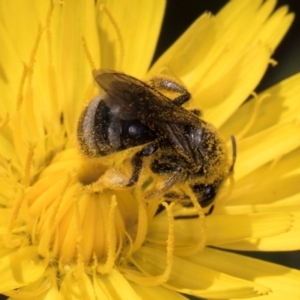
164	168
137	161
182	98
170	86
210	211
171	169
233	142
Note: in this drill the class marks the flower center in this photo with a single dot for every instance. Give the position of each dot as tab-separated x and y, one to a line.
72	218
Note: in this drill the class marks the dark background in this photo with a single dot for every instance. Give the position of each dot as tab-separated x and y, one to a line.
180	14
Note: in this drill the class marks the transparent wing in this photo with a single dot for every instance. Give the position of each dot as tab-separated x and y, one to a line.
133	98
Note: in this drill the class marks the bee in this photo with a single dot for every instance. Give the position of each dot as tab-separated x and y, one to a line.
180	145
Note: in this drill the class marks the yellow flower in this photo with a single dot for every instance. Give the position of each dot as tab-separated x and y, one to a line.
64	234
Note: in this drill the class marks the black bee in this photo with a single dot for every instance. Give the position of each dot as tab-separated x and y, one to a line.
182	146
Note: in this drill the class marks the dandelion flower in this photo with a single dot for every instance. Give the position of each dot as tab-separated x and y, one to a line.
63	237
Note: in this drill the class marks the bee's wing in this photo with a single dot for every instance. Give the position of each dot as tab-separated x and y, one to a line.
133	99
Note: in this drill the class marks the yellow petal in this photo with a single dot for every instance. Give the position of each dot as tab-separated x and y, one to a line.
186	231
114	286
8	76
222	229
156	292
281	21
273	186
78	21
44	288
194	279
131	27
5	215
76	285
280	235
20	268
195	43
280	106
233	85
265	146
284	282
53	57
253	21
6	149
235	28
28	19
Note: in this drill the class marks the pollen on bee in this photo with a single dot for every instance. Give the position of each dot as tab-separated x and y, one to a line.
90	171
109	172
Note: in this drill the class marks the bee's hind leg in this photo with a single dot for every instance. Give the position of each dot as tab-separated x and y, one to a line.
179	94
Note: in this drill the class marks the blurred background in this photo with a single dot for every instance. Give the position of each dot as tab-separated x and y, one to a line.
180	14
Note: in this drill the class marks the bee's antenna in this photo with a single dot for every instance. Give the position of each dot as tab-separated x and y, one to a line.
233	142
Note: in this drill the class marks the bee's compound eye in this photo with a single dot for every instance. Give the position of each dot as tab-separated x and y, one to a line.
209	192
205	193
